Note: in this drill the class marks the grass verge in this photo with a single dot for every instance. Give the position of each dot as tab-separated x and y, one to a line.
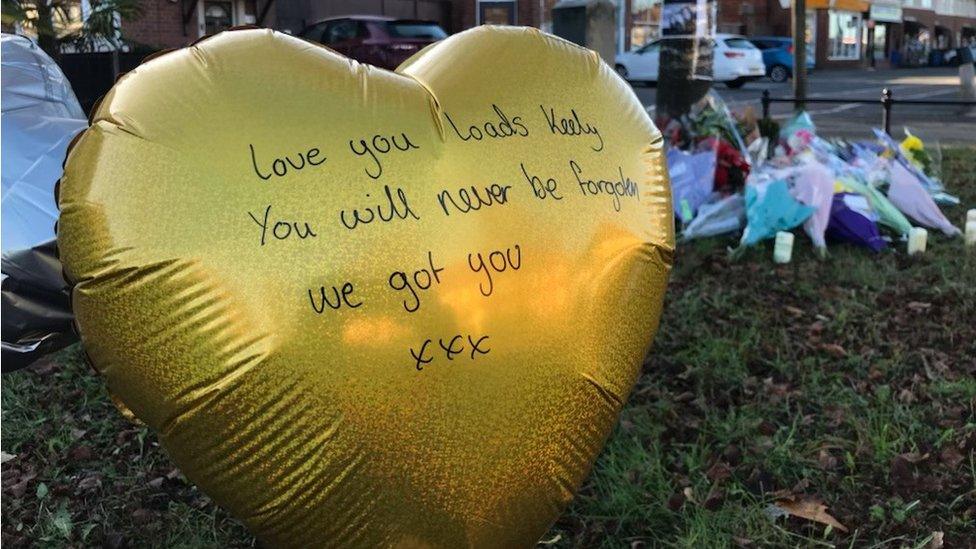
849	382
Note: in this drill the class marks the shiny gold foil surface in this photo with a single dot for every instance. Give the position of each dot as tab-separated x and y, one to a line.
369	308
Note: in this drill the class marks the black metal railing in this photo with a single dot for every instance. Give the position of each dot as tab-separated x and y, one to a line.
887	101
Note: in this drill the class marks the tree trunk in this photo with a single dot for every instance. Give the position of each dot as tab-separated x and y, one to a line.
685	68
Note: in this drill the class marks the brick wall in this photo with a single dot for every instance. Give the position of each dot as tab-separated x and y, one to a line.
465	13
753	17
161	25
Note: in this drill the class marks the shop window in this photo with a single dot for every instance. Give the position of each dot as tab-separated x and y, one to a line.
496	13
645	16
810	34
250	12
879	46
217	16
844	35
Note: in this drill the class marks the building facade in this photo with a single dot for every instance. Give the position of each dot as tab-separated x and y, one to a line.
177	23
840	33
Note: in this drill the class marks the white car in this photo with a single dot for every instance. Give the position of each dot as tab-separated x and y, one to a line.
737	61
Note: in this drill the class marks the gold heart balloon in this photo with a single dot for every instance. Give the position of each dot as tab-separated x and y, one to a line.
371	308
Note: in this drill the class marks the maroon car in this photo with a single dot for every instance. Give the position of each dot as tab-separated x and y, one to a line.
381	41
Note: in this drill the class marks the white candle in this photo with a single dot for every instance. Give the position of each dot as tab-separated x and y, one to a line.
971	231
971	215
916	240
783	248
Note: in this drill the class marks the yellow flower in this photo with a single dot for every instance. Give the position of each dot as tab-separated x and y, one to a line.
912	143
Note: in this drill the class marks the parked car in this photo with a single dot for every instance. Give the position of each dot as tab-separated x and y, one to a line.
777	53
737	61
381	41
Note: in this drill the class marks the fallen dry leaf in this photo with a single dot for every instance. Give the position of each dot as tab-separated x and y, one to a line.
951	456
676	501
833	350
810	509
732	454
776	389
901	472
89	483
143	516
715	498
44	366
80	453
918	306
875	374
800	486
18	490
826	460
914	457
718	472
795	311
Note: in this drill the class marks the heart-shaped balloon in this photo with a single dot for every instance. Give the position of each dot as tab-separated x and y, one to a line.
372	308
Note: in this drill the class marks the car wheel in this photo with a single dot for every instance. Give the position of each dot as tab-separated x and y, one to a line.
779	74
735	84
622	71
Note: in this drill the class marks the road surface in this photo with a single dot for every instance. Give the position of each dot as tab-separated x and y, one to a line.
948	124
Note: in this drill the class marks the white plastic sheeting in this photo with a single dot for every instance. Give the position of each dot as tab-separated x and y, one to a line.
40	116
720	216
814	186
692	178
908	195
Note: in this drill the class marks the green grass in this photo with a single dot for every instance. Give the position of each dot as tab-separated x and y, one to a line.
852	380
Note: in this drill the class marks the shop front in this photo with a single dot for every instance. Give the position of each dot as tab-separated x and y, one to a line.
919	32
840	33
967	34
884	33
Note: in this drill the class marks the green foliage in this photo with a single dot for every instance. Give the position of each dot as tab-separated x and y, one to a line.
51	21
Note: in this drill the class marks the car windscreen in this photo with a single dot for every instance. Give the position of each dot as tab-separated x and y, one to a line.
739	44
415	29
649	48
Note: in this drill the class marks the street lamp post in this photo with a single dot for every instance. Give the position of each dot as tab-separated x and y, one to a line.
800	53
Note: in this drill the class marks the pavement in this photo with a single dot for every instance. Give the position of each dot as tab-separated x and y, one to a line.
947	124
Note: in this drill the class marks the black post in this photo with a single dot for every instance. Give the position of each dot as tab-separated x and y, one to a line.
886	102
799	31
765	104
